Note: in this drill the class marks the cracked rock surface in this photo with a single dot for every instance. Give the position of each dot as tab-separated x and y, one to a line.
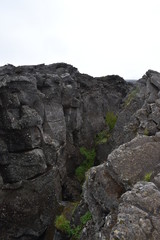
46	114
138	214
123	206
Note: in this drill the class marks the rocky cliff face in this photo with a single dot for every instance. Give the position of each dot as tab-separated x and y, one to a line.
47	113
123	192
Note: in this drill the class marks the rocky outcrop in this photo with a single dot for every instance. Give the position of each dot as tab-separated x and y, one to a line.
132	161
27	207
138	214
134	214
46	114
141	110
105	184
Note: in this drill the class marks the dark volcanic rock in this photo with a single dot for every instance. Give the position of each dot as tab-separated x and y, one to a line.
138	214
27	207
101	193
46	114
106	183
135	142
131	161
26	165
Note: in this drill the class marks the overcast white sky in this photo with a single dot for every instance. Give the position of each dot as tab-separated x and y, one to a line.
99	37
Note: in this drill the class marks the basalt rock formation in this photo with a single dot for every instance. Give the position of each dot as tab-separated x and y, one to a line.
123	193
47	113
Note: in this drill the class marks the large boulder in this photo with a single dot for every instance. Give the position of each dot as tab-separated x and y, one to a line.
105	184
138	214
133	160
101	193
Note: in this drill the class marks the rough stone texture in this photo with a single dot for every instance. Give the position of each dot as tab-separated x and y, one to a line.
27	207
20	166
139	114
137	217
138	214
134	156
46	114
105	184
131	161
101	193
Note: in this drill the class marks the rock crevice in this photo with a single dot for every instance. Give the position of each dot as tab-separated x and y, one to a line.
47	113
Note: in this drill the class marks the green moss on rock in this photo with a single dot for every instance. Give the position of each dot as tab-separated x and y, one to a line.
102	137
111	120
88	162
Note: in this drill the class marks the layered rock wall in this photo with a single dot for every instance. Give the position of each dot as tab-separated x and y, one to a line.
46	114
132	167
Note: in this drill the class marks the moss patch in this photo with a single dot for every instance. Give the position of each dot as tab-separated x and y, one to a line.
111	120
131	96
63	225
147	177
88	162
86	217
146	132
102	137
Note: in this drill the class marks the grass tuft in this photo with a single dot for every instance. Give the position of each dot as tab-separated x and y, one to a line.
102	137
147	177
88	162
86	217
130	97
63	225
111	120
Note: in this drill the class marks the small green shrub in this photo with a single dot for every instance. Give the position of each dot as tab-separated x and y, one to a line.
89	156
80	173
111	120
130	97
76	232
63	225
86	217
102	137
147	177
